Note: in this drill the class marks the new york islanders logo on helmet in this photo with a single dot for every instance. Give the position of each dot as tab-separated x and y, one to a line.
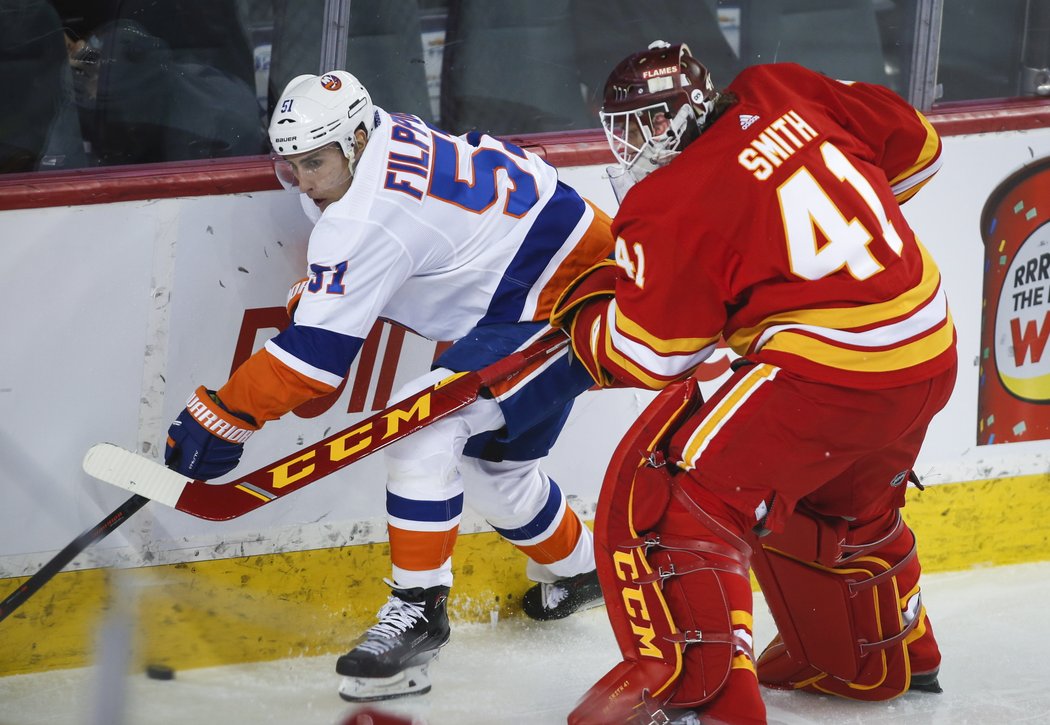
331	82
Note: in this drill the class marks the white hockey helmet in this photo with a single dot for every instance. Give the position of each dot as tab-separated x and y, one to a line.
314	111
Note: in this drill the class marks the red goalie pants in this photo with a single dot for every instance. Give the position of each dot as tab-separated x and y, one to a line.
768	440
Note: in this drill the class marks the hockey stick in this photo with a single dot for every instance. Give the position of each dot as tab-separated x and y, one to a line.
154	481
14	600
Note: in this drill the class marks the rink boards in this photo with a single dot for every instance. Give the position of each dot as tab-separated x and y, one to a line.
115	312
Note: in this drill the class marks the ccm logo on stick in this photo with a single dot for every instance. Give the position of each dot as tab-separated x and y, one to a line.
353	442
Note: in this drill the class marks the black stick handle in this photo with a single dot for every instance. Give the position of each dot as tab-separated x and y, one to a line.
86	539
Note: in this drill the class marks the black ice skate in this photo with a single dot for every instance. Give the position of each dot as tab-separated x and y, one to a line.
563	597
391	658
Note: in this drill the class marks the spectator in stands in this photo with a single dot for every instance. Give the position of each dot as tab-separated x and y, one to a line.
141	105
38	129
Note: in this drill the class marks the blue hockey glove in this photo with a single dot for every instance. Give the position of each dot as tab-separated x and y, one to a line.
206	440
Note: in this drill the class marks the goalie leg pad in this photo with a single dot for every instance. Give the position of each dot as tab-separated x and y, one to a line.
667	571
704	576
674	606
642	623
846	602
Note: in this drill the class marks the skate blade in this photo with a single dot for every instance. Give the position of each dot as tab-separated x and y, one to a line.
411	681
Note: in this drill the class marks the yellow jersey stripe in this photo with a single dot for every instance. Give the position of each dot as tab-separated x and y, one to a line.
871	361
673	346
742	618
631	368
929	150
743	662
846	318
716	418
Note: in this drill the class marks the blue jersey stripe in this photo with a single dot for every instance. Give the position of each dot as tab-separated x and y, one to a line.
547	236
412	510
323	349
540	522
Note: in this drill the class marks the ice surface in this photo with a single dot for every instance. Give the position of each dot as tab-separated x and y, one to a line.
992	625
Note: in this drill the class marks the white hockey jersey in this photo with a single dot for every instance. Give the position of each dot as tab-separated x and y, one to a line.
438	233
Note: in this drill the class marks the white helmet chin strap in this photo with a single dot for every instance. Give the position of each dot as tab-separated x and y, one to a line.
353	158
351	155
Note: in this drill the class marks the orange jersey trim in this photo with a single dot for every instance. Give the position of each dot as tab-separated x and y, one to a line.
265	388
421	550
559	544
594	245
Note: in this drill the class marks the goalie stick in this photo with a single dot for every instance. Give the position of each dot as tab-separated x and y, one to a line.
153	481
219	502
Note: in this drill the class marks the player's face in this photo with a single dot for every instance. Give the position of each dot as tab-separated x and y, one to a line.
658	123
629	132
321	174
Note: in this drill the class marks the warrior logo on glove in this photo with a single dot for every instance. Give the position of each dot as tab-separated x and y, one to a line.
206	440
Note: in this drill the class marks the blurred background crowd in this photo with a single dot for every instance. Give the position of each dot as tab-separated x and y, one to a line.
109	82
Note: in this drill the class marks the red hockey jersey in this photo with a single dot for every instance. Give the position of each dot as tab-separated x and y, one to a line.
780	230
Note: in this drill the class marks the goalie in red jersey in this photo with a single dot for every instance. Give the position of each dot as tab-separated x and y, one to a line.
768	214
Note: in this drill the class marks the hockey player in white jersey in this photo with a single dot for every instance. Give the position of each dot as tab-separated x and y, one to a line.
456	238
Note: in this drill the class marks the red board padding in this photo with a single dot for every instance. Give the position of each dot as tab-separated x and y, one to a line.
254	173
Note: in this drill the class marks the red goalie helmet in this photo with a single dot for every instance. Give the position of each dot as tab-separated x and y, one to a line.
655	103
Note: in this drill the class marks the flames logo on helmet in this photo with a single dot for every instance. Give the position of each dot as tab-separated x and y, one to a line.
654	103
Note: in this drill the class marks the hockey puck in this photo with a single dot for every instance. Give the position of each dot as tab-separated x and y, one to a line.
160	672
